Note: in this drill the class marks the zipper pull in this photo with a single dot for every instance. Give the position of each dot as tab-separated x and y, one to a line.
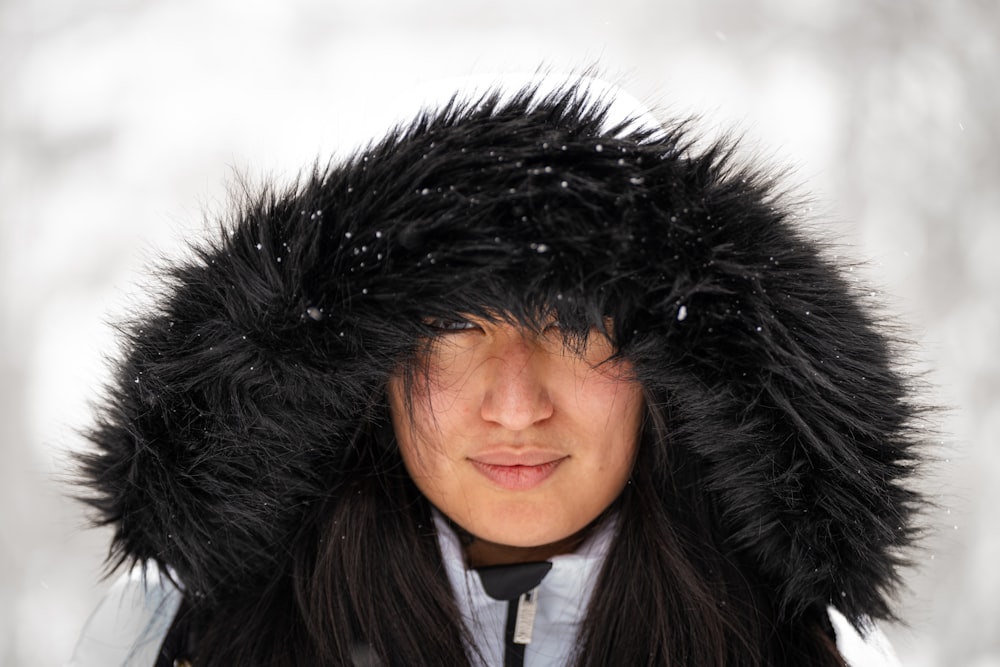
524	622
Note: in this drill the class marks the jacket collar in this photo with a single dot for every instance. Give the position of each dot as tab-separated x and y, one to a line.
562	597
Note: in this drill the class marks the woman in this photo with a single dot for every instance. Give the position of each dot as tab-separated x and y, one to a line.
516	384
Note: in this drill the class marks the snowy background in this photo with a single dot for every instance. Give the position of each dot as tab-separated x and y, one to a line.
121	121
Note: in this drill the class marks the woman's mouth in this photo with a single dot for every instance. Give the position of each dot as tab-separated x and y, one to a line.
517	476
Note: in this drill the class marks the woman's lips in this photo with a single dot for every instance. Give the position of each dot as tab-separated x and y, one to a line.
516	473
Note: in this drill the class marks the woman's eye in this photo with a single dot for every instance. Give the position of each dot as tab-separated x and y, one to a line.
446	325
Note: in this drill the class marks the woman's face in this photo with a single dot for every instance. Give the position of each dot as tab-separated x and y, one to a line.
518	439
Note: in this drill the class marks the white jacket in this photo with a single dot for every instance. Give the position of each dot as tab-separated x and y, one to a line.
131	622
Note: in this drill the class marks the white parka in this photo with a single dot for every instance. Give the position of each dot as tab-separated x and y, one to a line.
131	622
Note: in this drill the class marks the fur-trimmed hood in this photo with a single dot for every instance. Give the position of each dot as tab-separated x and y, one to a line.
239	398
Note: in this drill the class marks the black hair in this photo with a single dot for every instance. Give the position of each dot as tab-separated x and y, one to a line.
368	586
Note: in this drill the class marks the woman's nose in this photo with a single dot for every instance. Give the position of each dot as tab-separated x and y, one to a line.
515	394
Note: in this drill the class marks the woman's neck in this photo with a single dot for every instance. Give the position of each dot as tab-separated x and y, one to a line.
481	553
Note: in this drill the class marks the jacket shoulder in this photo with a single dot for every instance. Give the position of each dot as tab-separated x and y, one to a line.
868	647
130	623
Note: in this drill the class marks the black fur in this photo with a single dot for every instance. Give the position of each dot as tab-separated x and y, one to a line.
238	399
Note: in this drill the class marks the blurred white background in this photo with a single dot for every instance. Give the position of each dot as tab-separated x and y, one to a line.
121	121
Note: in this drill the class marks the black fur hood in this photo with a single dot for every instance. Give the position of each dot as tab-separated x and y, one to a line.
238	398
